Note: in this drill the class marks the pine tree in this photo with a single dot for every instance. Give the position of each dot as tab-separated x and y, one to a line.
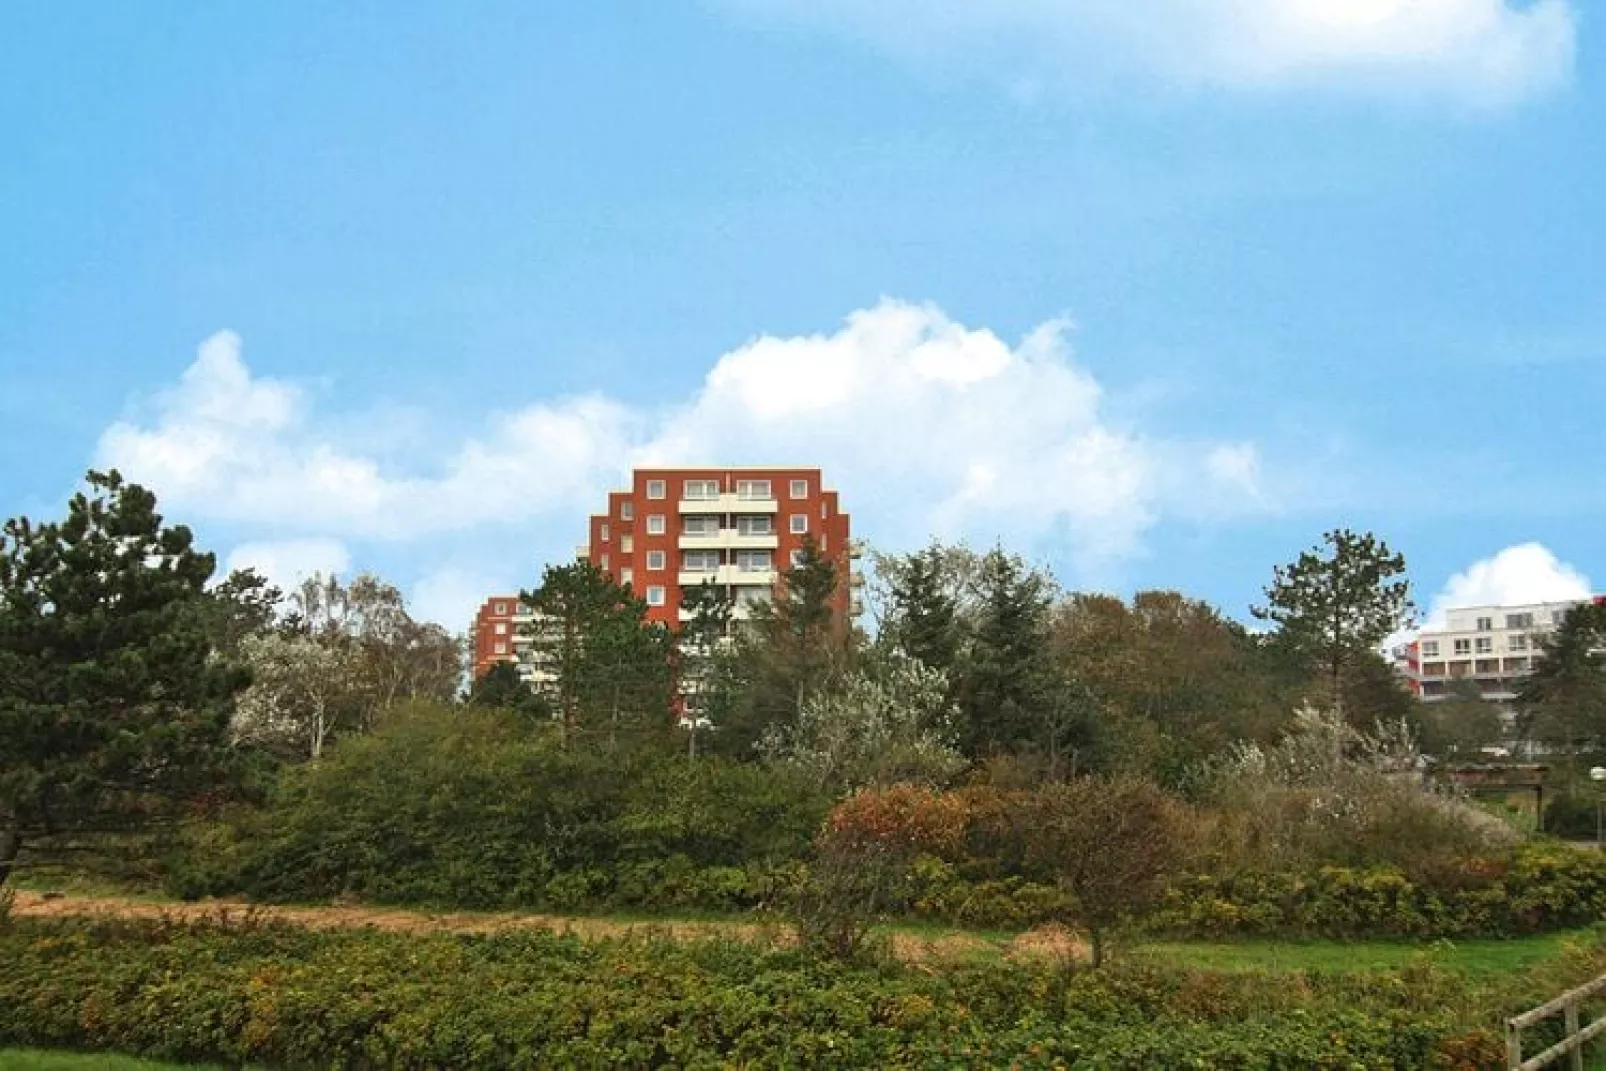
1332	608
609	665
924	612
112	709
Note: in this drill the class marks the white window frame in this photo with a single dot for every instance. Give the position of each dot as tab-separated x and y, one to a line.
501	628
627	543
1462	647
656	525
1485	624
798	524
700	561
501	608
627	577
1518	642
1430	648
701	524
700	490
501	648
603	564
800	489
1484	645
605	532
656	595
796	557
657	489
744	557
755	524
751	490
627	511
657	561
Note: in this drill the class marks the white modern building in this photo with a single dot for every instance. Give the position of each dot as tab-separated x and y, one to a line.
1494	647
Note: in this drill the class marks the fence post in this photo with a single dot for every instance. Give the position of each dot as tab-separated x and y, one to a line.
1575	1059
1513	1045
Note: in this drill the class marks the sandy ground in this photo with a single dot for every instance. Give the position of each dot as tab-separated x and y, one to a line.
1046	943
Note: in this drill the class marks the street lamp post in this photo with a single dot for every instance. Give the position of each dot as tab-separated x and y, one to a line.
1597	774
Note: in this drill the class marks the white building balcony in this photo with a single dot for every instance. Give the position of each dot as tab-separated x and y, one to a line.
730	539
729	503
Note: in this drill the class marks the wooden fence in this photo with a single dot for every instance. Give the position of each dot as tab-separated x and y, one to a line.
1572	1043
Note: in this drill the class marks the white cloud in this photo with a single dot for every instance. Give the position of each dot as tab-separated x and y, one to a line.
1526	573
243	448
451	596
925	424
288	562
1480	52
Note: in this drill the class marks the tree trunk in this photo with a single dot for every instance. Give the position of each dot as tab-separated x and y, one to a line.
10	848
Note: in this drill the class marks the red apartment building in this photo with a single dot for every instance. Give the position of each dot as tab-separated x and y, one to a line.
674	529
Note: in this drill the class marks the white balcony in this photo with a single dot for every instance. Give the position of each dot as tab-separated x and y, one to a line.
730	504
730	539
697	577
733	574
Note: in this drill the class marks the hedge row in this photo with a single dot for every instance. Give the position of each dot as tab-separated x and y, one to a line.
293	998
1541	887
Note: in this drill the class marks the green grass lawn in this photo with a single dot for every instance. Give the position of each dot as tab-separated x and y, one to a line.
41	1060
1484	957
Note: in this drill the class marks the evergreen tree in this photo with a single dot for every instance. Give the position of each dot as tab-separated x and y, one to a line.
608	665
923	618
790	648
1563	701
1012	699
706	661
112	708
1332	607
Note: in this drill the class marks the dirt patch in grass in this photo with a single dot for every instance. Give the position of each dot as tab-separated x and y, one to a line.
909	948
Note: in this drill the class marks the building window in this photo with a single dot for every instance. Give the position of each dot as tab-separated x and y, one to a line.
825	511
1488	665
798	523
627	543
501	648
752	489
655	561
627	511
656	489
501	628
797	558
1557	616
655	594
701	490
1430	648
1484	645
800	488
655	524
704	525
701	561
754	561
501	607
627	577
1519	620
1485	624
604	533
755	525
1463	646
603	564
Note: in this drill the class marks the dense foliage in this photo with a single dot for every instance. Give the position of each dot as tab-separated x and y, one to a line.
294	998
471	806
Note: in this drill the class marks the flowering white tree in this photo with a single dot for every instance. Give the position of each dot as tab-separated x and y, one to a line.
894	725
302	693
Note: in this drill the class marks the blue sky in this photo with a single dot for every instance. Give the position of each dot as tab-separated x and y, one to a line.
406	287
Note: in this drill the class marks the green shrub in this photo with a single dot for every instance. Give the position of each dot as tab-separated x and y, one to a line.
469	808
290	998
